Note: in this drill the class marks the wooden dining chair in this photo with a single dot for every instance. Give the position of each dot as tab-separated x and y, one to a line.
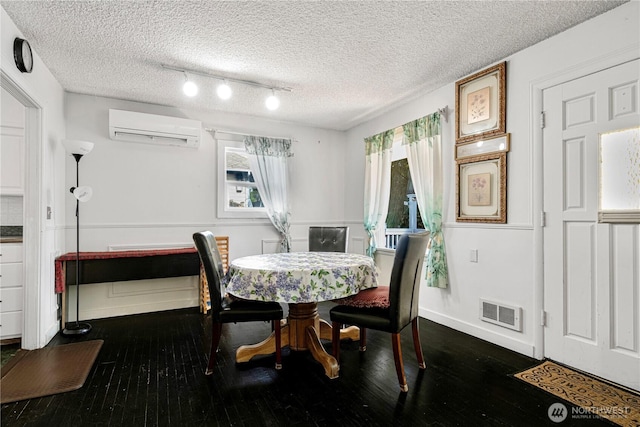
388	309
328	239
231	310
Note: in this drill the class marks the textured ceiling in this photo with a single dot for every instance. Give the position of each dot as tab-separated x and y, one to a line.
344	60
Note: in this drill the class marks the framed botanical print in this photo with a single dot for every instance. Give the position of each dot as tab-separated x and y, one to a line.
481	104
481	189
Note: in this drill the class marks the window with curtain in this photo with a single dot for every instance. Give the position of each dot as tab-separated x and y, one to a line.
269	158
422	142
238	194
403	216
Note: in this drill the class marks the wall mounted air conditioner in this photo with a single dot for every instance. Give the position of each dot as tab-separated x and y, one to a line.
153	129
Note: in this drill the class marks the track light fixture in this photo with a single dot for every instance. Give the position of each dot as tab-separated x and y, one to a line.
224	90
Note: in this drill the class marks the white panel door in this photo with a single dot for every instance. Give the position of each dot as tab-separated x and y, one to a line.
591	269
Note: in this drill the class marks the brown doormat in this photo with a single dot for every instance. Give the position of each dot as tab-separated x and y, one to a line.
46	371
592	396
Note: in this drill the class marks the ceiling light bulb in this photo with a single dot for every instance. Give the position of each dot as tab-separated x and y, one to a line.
224	91
272	102
190	88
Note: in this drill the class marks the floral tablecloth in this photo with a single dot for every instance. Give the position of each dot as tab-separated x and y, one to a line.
300	277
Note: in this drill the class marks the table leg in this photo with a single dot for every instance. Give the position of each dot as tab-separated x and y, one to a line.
301	316
301	333
268	346
351	332
328	362
305	323
63	311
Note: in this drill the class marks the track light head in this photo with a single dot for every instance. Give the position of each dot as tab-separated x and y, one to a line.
190	88
272	101
224	91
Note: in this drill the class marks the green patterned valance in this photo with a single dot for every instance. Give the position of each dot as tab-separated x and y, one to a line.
380	142
272	147
421	128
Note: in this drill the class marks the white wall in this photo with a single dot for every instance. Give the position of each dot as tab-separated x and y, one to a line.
327	182
44	238
507	266
160	195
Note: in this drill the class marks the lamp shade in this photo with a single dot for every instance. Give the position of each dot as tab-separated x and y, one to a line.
83	193
74	146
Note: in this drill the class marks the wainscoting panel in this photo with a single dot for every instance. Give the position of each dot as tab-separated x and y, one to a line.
101	300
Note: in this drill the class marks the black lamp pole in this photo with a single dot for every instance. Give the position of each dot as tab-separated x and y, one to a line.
77	328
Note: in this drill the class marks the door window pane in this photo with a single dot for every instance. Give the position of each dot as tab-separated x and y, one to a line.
620	175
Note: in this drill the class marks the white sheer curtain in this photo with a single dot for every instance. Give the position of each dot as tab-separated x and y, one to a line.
377	184
268	158
423	141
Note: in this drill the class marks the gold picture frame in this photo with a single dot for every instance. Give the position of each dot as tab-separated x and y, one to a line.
496	144
481	189
481	109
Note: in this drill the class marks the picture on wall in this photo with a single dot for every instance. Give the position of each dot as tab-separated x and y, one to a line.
481	104
496	144
481	189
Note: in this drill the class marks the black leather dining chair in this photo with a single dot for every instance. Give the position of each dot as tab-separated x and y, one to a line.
328	239
368	310
228	310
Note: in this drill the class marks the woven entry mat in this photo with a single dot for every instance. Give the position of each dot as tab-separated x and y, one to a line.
47	371
595	397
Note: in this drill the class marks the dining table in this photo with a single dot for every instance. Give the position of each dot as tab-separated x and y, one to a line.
302	280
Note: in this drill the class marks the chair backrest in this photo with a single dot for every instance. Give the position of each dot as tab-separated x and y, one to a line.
328	239
212	263
404	287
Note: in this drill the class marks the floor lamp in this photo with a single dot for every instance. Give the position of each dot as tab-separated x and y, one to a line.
82	194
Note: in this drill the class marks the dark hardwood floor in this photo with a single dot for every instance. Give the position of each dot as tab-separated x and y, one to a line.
150	373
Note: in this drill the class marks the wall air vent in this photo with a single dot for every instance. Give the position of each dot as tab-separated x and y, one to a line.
153	129
501	314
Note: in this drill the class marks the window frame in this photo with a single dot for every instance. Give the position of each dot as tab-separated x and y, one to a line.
224	211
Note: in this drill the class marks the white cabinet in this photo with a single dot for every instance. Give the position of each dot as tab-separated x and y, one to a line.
11	290
11	161
12	123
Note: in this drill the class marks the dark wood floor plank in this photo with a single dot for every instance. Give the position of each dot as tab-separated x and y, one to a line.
150	372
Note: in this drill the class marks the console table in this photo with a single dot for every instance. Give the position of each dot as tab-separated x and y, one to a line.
120	266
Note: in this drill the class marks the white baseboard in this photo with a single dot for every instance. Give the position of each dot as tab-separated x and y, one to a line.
510	343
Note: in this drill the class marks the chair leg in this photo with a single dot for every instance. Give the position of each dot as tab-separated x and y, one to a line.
216	332
335	340
416	343
363	339
397	356
278	332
